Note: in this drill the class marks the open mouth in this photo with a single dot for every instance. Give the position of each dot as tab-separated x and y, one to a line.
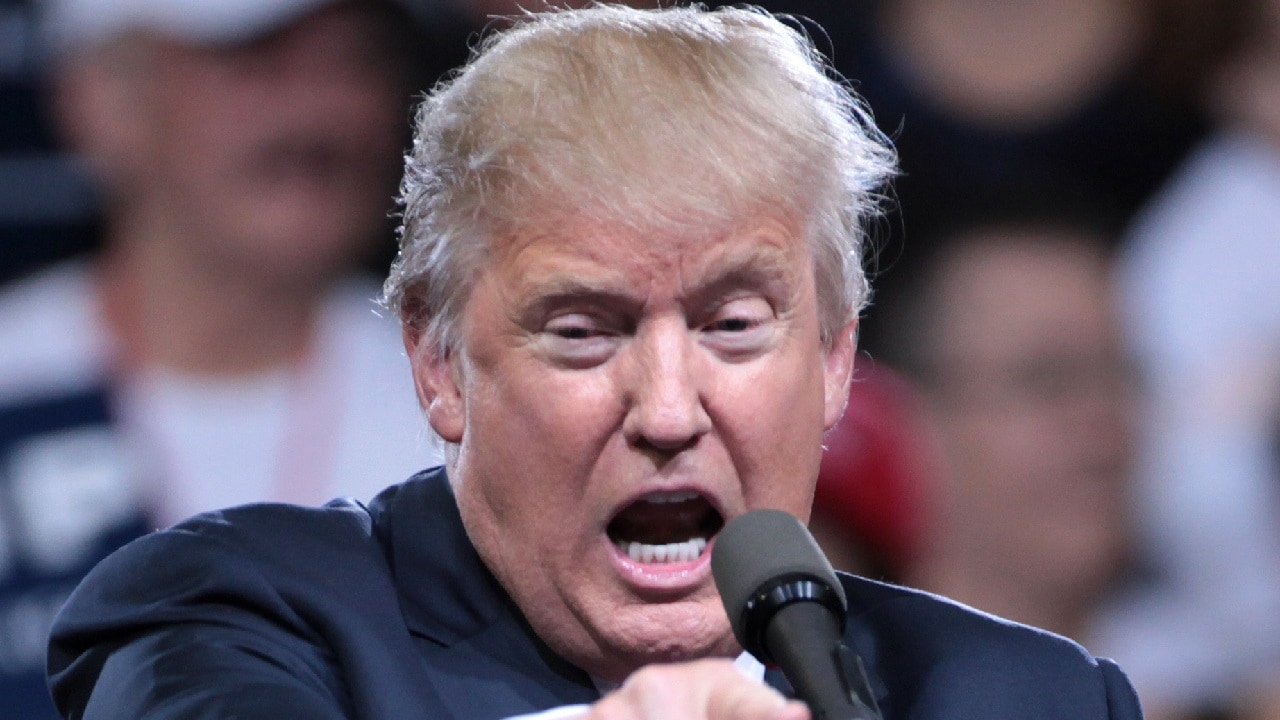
665	527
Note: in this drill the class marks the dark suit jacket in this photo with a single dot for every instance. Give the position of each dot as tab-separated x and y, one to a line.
272	611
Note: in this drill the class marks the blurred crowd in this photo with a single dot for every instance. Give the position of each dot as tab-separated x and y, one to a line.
1067	410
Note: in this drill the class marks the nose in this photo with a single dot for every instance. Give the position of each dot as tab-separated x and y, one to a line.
666	408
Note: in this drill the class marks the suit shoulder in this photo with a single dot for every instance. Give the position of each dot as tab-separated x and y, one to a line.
946	625
265	555
268	529
306	595
258	553
344	535
942	653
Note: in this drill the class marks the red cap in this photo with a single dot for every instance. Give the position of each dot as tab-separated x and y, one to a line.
875	473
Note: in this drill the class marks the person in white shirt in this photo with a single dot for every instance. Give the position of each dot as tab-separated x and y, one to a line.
1201	284
219	348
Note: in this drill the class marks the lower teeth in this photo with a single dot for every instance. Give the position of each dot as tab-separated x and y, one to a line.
687	551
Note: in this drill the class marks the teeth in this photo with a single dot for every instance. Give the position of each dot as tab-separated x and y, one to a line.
687	551
671	497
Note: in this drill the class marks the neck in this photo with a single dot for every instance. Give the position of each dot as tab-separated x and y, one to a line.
170	310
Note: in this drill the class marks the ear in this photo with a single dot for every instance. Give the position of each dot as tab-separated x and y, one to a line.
435	380
97	99
838	373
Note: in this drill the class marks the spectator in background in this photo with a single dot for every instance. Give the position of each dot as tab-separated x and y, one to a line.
1201	281
993	95
1010	335
218	350
984	98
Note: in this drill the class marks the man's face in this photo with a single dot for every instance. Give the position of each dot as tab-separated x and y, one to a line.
617	398
277	156
1036	414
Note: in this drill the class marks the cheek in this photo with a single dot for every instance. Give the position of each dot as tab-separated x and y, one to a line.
772	422
557	413
543	431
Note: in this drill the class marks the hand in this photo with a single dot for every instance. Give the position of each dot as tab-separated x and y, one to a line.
697	690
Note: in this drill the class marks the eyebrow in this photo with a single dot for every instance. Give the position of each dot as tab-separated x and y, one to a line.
765	271
562	291
770	278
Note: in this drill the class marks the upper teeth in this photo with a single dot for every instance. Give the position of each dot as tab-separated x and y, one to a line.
671	497
687	551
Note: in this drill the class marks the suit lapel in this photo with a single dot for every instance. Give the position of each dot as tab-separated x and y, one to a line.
858	636
503	671
479	651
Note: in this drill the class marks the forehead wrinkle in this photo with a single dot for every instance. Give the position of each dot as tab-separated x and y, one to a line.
551	272
565	289
593	262
758	260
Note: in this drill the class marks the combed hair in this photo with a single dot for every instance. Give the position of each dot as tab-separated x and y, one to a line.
679	120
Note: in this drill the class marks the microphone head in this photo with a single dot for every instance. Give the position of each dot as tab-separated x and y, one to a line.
764	553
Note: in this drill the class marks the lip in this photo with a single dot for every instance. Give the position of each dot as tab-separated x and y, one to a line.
666	578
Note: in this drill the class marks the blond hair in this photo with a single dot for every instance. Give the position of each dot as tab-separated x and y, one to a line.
673	120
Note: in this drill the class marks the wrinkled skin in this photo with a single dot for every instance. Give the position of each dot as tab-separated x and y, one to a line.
597	367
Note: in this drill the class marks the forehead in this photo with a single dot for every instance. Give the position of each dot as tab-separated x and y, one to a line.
1006	295
578	252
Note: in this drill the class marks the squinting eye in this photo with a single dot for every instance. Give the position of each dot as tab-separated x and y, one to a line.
572	332
740	315
573	327
735	324
740	328
578	340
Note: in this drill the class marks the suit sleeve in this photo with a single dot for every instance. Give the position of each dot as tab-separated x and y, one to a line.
1122	700
201	673
177	625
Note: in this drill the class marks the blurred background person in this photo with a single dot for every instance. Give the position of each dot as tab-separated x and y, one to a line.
1089	99
1010	335
1201	281
218	348
1099	104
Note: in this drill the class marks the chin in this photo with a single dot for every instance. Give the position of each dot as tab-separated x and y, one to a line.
666	633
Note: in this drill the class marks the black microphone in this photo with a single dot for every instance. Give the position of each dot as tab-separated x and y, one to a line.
787	608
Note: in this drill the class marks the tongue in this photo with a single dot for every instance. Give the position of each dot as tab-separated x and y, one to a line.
661	523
